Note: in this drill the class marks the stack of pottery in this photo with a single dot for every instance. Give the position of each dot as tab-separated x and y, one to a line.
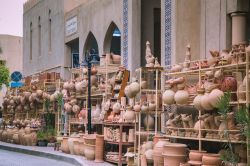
174	154
99	148
89	146
64	145
211	159
157	152
195	157
72	138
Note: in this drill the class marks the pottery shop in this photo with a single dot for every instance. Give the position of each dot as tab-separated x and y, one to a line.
135	82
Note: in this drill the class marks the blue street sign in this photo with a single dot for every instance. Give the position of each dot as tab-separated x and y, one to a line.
16	76
16	84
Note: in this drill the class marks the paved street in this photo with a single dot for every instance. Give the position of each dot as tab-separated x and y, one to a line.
8	158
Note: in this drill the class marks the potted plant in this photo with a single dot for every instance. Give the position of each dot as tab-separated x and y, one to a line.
41	138
51	133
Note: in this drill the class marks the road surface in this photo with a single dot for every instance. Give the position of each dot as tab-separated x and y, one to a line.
8	158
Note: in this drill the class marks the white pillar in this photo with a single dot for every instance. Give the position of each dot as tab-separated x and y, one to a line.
238	28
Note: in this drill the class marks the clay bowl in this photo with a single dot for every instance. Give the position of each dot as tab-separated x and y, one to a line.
175	149
211	159
196	155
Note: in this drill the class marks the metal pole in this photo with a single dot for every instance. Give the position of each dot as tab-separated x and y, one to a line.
89	97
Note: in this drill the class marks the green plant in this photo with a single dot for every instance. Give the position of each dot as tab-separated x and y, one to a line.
223	109
47	103
4	75
1	50
60	101
41	135
243	119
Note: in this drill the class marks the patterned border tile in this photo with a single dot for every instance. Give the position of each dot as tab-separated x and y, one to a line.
125	33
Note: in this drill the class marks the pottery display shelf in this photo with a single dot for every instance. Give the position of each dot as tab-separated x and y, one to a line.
122	127
149	99
198	73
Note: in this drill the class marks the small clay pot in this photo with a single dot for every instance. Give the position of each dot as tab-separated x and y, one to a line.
211	159
173	160
89	151
175	149
196	155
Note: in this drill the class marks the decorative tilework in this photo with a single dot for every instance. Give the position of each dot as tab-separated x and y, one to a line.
168	25
125	33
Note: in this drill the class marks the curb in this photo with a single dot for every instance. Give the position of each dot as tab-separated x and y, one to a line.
42	154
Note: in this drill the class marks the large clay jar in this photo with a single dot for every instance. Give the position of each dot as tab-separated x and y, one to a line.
148	122
137	107
157	138
76	148
211	159
135	87
205	103
214	97
81	148
90	139
20	135
181	96
175	149
168	96
71	143
4	136
16	138
197	99
173	160
64	145
128	92
89	151
229	83
99	148
196	155
129	115
157	152
33	138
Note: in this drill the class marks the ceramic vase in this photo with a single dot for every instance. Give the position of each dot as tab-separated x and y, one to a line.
214	97
71	143
196	155
181	96
229	83
211	159
205	103
168	96
81	148
131	134
64	145
76	147
148	122
89	151
197	99
157	152
129	115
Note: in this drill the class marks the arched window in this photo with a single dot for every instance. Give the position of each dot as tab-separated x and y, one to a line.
91	45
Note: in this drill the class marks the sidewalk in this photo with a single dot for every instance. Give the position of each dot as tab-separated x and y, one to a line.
48	152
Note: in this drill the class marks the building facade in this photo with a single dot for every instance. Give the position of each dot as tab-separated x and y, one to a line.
12	52
58	33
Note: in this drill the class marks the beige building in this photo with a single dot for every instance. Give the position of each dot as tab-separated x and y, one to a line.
12	52
58	33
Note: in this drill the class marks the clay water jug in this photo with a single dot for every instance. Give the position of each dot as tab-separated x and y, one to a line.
168	96
214	97
181	96
197	99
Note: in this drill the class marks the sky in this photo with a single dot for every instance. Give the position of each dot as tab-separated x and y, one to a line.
11	17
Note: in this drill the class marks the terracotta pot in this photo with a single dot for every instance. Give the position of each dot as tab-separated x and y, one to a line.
181	96
214	97
90	139
128	92
196	155
168	96
152	106
117	107
64	145
33	138
129	115
175	149
76	148
176	68
16	138
137	107
135	87
71	143
205	103
4	135
89	151
157	152
144	107
143	84
229	83
148	122
197	99
81	148
94	70
173	160
99	148
157	138
149	154
93	80
211	159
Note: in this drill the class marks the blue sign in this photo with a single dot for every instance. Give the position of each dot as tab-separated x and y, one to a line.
16	84
16	76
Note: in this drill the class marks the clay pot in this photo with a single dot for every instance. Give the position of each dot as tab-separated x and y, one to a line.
93	80
149	155
229	83
64	145
143	84
144	107
128	92
90	139
157	152
168	96
205	103
99	148
89	151
196	155
16	138
71	143
117	107
211	159
241	93
175	149
197	99
129	115
116	59
173	160
137	107
81	148
214	97
67	107
176	68
76	148
148	122
33	138
94	70
66	85
157	138
135	87
181	96
152	106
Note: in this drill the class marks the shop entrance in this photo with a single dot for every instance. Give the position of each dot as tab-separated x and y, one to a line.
74	53
151	28
112	41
